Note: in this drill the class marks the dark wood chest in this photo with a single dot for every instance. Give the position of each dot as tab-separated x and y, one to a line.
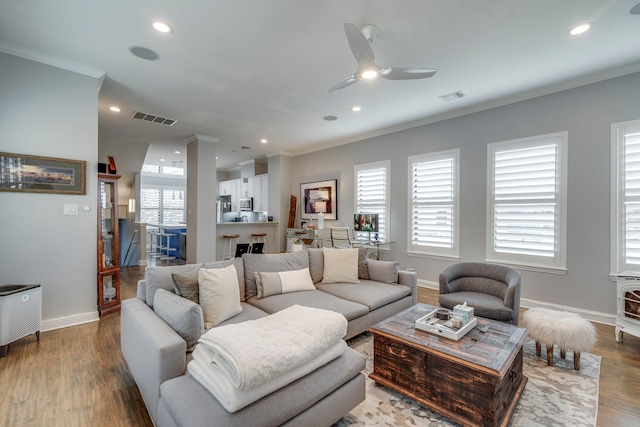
475	381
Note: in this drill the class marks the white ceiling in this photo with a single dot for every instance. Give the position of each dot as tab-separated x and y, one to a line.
241	70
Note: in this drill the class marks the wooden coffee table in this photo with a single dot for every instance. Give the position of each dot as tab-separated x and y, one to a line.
475	381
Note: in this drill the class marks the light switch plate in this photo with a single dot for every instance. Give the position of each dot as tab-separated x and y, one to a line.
69	209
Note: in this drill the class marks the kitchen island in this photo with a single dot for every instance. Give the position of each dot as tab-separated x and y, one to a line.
244	229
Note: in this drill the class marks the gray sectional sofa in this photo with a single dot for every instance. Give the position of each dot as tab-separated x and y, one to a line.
158	327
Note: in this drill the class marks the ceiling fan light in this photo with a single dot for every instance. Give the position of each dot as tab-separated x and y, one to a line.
367	69
369	74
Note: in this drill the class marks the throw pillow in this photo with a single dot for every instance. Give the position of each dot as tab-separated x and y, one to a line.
383	271
219	294
283	282
184	316
340	266
186	286
363	273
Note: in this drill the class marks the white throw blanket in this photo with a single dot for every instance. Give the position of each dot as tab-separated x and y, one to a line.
233	399
252	353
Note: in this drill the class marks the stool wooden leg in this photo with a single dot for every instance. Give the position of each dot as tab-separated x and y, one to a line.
550	355
538	348
576	360
563	353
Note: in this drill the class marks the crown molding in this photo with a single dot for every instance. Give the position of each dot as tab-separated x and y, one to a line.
198	137
52	61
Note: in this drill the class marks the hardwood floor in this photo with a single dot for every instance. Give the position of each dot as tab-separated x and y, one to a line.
76	376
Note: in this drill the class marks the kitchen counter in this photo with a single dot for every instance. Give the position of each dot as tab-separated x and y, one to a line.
246	223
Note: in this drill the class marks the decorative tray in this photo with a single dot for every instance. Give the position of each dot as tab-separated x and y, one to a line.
444	328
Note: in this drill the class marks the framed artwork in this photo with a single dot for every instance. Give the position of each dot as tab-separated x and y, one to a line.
35	174
319	197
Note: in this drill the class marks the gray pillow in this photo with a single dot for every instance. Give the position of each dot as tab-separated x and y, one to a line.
316	264
186	286
183	316
160	278
383	271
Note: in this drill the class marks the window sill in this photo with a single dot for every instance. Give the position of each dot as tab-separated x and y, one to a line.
531	267
414	254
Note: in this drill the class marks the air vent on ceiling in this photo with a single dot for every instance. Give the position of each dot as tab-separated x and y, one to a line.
452	96
154	119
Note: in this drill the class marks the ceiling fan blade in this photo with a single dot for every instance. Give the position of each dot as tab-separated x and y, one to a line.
405	73
348	82
359	45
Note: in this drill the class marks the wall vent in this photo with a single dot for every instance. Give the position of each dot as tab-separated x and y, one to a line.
154	119
452	96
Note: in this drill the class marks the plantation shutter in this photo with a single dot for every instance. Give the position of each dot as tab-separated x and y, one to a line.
526	210
434	204
172	206
372	193
150	205
631	207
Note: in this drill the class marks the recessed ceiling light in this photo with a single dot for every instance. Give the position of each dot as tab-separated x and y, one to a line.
114	109
177	152
162	27
216	157
356	108
264	140
330	118
162	160
582	28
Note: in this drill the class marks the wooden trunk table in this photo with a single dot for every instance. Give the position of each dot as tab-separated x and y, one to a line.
475	381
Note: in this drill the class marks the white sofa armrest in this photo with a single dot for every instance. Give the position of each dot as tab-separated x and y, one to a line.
410	279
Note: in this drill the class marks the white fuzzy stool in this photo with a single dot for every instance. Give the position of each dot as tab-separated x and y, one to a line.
567	330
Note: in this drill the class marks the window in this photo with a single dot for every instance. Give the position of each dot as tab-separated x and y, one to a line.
161	205
625	194
433	199
526	211
372	193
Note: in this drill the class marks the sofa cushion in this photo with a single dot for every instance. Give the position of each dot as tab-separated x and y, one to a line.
372	294
316	264
363	272
340	266
248	312
160	278
186	286
219	294
237	263
184	316
281	282
254	263
316	299
383	271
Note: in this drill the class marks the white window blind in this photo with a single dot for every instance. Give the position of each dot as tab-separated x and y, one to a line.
372	194
150	205
625	216
433	207
526	216
172	206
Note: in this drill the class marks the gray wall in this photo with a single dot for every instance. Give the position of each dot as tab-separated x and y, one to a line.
50	112
586	113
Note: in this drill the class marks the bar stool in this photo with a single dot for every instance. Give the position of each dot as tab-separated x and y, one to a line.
154	242
260	238
166	245
228	251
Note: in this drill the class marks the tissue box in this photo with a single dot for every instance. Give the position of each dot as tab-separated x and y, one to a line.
466	313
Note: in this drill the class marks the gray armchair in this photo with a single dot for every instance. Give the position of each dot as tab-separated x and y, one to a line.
493	290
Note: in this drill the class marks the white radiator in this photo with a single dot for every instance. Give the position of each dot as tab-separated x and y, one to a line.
628	307
20	313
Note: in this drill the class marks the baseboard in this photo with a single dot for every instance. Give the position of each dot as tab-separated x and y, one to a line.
594	316
65	322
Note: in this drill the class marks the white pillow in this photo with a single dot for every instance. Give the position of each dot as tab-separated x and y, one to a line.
283	281
219	294
340	266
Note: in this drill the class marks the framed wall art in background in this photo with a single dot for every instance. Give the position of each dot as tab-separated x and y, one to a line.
319	198
36	174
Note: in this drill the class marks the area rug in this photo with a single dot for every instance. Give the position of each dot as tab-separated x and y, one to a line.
554	396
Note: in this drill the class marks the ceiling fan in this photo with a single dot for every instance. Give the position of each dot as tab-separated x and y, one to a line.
359	42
